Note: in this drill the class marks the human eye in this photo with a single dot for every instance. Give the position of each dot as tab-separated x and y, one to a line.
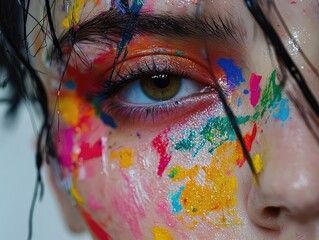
157	89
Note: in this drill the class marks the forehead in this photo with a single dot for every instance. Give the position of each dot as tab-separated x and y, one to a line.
81	10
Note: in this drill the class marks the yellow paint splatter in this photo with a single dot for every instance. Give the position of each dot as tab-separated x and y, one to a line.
125	157
69	108
74	192
258	163
160	233
218	193
74	14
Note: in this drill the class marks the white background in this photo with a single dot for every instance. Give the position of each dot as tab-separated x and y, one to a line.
17	179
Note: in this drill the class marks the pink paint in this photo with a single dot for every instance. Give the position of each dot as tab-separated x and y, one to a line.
126	205
255	90
90	152
160	143
293	2
65	147
93	204
164	211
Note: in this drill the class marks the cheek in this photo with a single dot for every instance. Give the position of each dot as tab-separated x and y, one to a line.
180	177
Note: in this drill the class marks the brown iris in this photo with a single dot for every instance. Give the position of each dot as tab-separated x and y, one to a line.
161	87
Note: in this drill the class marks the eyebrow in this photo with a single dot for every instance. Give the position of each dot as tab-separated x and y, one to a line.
111	25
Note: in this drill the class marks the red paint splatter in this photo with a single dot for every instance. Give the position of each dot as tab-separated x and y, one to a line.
293	2
96	230
248	140
89	152
160	143
255	90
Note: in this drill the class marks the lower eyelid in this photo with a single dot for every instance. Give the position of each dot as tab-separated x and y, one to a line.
132	115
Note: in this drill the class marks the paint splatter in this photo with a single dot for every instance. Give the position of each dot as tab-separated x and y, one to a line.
74	13
258	163
283	111
160	233
127	205
255	89
164	211
73	190
93	204
96	229
108	120
69	108
90	151
160	144
233	73
217	193
125	157
269	99
176	205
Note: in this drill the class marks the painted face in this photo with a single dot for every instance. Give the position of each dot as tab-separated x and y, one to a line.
144	146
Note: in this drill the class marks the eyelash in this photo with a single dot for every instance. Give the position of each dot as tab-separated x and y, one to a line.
110	103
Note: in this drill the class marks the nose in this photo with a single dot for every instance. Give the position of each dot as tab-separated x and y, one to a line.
287	192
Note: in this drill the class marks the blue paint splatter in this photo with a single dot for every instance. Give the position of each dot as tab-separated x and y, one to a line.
233	73
246	91
239	102
283	111
108	120
70	85
176	205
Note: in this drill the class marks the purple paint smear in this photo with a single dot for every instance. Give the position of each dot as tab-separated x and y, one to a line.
255	89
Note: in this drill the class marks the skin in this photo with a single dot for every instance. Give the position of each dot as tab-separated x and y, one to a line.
132	182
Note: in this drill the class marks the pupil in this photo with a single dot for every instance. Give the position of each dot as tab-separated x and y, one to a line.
161	81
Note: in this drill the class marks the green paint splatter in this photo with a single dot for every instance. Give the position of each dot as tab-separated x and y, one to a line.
219	130
188	143
270	98
173	172
179	53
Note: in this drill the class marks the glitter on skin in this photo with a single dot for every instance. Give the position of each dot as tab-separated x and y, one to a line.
160	144
255	89
233	73
217	193
125	157
160	233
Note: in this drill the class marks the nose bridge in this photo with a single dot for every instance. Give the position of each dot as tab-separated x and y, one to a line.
290	176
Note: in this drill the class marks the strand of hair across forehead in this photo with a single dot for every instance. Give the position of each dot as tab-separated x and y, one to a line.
229	112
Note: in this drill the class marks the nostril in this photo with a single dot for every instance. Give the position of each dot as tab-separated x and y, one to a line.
271	212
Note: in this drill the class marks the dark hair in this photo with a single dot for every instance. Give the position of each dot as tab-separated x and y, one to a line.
24	83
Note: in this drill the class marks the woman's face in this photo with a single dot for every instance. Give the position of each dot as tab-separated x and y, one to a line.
144	146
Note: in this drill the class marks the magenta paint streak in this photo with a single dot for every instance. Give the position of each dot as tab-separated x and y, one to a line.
255	90
65	147
90	152
125	203
160	143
